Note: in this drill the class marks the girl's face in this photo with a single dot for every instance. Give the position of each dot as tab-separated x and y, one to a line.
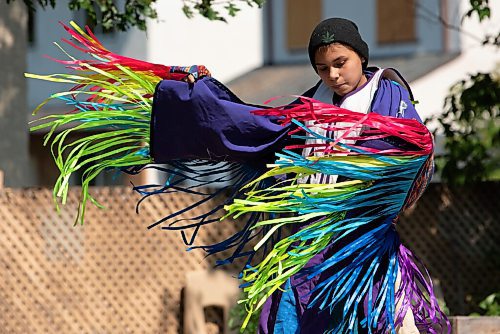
340	68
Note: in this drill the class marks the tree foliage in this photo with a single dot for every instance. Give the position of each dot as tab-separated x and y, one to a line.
479	7
471	127
134	13
213	10
470	122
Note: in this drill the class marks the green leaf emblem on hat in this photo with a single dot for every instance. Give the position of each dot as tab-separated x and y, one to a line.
328	38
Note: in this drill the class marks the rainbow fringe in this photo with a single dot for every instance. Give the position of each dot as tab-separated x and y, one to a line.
380	184
112	95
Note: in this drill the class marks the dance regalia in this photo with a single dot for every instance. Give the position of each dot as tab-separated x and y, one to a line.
341	261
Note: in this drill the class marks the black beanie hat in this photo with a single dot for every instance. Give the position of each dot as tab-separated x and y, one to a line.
337	30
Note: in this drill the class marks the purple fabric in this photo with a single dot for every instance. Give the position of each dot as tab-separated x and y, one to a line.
205	120
311	319
387	101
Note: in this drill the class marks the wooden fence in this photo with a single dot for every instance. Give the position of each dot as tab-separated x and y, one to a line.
113	275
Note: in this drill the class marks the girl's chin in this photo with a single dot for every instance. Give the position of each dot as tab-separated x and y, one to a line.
342	90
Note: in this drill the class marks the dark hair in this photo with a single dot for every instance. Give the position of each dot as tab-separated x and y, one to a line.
337	30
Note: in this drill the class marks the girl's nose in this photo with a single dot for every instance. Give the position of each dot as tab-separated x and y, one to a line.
334	73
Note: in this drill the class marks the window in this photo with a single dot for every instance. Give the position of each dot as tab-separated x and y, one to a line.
395	21
301	18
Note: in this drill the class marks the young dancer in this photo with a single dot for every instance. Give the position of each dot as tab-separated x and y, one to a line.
340	57
349	157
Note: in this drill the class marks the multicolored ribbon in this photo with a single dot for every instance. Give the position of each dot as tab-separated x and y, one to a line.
378	185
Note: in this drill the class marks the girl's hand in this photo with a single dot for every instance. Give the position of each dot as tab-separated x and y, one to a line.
193	72
189	78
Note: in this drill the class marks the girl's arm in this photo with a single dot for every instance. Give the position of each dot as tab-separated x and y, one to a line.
205	120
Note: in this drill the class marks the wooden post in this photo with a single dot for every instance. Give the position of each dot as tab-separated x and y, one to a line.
483	325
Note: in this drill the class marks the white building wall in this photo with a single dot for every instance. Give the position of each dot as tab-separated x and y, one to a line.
227	49
431	89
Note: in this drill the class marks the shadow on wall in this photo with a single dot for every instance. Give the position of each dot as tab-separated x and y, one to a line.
14	157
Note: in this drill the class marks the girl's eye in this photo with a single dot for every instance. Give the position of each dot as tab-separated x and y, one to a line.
340	64
322	68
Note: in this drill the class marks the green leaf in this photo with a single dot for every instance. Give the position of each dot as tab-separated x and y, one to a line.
187	11
232	9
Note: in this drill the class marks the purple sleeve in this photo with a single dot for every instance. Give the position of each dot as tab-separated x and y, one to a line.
393	100
205	120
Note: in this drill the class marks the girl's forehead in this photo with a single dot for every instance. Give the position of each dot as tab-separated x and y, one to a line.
334	50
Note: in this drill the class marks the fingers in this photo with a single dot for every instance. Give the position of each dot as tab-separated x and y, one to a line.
189	78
